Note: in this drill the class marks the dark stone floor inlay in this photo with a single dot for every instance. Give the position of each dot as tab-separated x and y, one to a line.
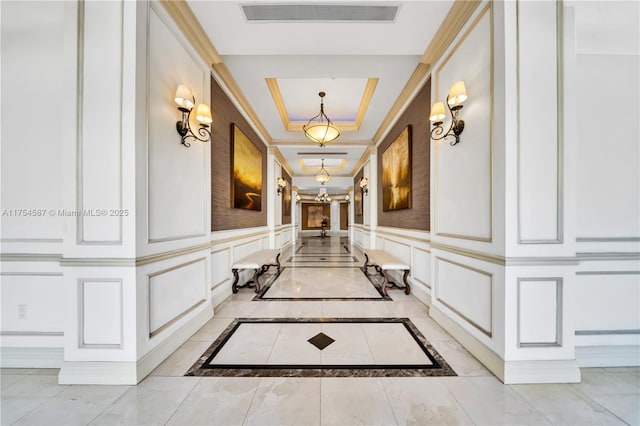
321	341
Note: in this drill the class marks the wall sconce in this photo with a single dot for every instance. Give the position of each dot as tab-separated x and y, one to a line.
347	198
364	186
282	184
185	100
457	95
298	198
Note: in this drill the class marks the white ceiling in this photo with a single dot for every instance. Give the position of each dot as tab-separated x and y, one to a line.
307	57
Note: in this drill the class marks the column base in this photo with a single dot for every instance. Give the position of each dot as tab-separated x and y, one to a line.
510	372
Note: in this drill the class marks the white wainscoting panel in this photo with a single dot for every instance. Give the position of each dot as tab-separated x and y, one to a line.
463	173
220	266
466	291
539	185
175	291
32	302
100	313
177	176
100	124
421	266
607	302
539	314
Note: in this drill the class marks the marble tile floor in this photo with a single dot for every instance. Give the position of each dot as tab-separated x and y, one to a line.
605	396
474	396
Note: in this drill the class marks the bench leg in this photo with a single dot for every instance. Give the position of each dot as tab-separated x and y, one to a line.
236	277
256	275
407	287
385	283
366	263
278	263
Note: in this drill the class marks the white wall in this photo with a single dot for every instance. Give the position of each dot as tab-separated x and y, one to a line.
605	62
31	285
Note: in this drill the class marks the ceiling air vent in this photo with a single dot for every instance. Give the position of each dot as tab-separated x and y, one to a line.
319	12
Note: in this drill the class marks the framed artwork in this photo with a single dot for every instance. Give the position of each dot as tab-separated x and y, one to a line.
396	173
286	194
314	216
358	202
246	173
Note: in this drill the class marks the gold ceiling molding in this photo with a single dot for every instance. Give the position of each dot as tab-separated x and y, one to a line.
183	16
305	142
334	169
346	126
276	152
186	21
458	15
361	162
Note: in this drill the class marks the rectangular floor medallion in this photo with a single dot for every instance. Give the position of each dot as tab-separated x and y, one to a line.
321	347
297	284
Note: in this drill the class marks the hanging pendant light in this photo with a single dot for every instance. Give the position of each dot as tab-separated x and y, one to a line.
320	129
323	175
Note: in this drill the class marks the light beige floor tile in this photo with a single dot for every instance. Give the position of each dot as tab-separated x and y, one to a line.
14	371
563	404
13	408
217	401
350	346
249	344
462	362
286	401
9	379
211	330
292	346
391	343
423	401
235	309
360	401
76	405
431	330
152	402
182	359
338	309
270	309
34	386
310	309
487	401
373	309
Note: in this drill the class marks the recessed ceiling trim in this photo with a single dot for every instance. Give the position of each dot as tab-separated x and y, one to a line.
320	12
312	169
324	154
344	126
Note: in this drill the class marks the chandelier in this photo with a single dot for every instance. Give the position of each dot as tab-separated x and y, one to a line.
323	198
319	128
323	175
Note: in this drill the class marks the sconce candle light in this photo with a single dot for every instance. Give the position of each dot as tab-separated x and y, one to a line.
364	186
186	101
282	184
457	95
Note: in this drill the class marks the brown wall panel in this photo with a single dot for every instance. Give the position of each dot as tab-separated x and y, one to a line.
223	217
417	116
344	216
357	199
326	211
286	197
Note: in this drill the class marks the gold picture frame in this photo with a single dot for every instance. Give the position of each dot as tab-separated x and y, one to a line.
246	172
396	173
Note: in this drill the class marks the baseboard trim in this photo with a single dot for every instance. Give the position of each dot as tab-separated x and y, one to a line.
509	372
31	357
158	354
220	293
98	373
486	356
608	356
130	373
420	292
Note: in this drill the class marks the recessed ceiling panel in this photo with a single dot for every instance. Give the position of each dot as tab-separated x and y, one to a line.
341	101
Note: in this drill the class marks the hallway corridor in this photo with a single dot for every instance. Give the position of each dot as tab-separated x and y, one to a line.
320	280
